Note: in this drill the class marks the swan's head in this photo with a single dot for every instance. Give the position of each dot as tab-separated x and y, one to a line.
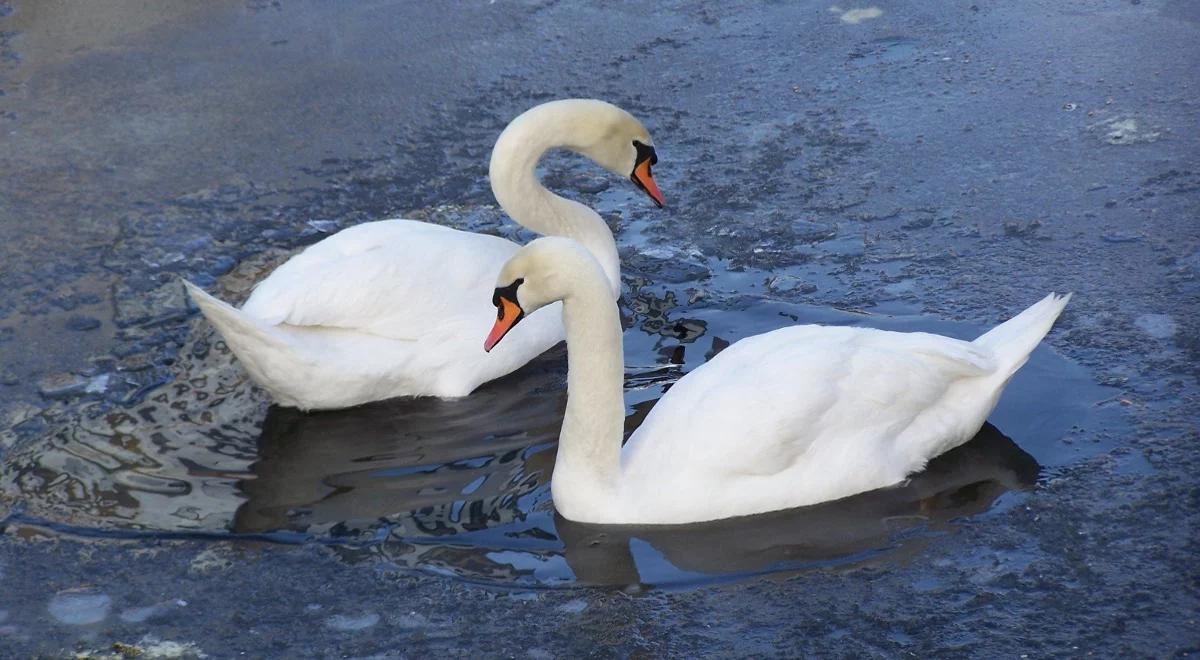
606	134
547	270
619	143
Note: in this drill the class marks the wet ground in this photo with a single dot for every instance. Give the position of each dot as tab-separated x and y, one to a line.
912	167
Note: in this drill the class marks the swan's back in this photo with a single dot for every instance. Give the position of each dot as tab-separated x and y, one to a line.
804	414
386	278
382	309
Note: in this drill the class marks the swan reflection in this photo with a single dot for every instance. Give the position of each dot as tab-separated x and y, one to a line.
431	466
462	487
962	482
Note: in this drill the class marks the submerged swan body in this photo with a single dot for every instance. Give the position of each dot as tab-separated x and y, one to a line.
788	418
392	308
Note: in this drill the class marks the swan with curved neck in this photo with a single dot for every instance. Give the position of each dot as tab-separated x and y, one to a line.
390	308
792	417
582	126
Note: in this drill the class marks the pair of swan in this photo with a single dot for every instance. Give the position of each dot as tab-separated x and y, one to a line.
392	308
788	418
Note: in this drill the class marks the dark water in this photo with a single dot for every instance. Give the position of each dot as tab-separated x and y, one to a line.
461	487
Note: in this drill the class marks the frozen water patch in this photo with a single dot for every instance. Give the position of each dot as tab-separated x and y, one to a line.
576	606
1158	326
141	614
62	385
858	15
97	385
209	560
324	226
165	649
79	609
147	648
149	612
1117	236
347	623
1125	130
884	51
787	283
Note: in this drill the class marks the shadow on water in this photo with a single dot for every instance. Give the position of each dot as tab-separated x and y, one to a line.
461	487
446	465
964	481
468	518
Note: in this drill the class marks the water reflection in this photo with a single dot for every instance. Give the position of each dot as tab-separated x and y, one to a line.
421	486
962	482
431	466
170	463
462	487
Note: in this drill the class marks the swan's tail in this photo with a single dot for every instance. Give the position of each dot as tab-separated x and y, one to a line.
1012	341
245	335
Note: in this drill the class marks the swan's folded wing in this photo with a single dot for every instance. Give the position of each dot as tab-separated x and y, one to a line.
394	278
763	404
957	357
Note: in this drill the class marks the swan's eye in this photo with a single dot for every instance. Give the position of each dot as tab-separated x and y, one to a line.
509	292
644	153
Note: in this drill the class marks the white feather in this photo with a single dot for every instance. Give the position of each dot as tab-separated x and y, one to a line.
401	311
400	308
793	417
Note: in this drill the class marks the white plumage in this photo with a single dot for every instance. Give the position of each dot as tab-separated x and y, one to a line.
396	307
376	311
796	416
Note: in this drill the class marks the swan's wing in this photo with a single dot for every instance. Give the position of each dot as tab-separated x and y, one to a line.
394	278
765	403
955	357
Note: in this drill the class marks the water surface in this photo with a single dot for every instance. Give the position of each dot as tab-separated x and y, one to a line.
461	487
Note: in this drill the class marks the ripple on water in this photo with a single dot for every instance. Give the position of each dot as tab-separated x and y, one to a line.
461	488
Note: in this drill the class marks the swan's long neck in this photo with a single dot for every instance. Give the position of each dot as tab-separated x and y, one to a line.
589	447
523	197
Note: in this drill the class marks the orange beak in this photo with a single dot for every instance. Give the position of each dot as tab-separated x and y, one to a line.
641	176
507	315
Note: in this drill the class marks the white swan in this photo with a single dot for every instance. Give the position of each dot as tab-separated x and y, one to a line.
788	418
392	308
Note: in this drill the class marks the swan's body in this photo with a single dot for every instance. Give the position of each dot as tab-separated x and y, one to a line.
796	416
392	308
358	334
